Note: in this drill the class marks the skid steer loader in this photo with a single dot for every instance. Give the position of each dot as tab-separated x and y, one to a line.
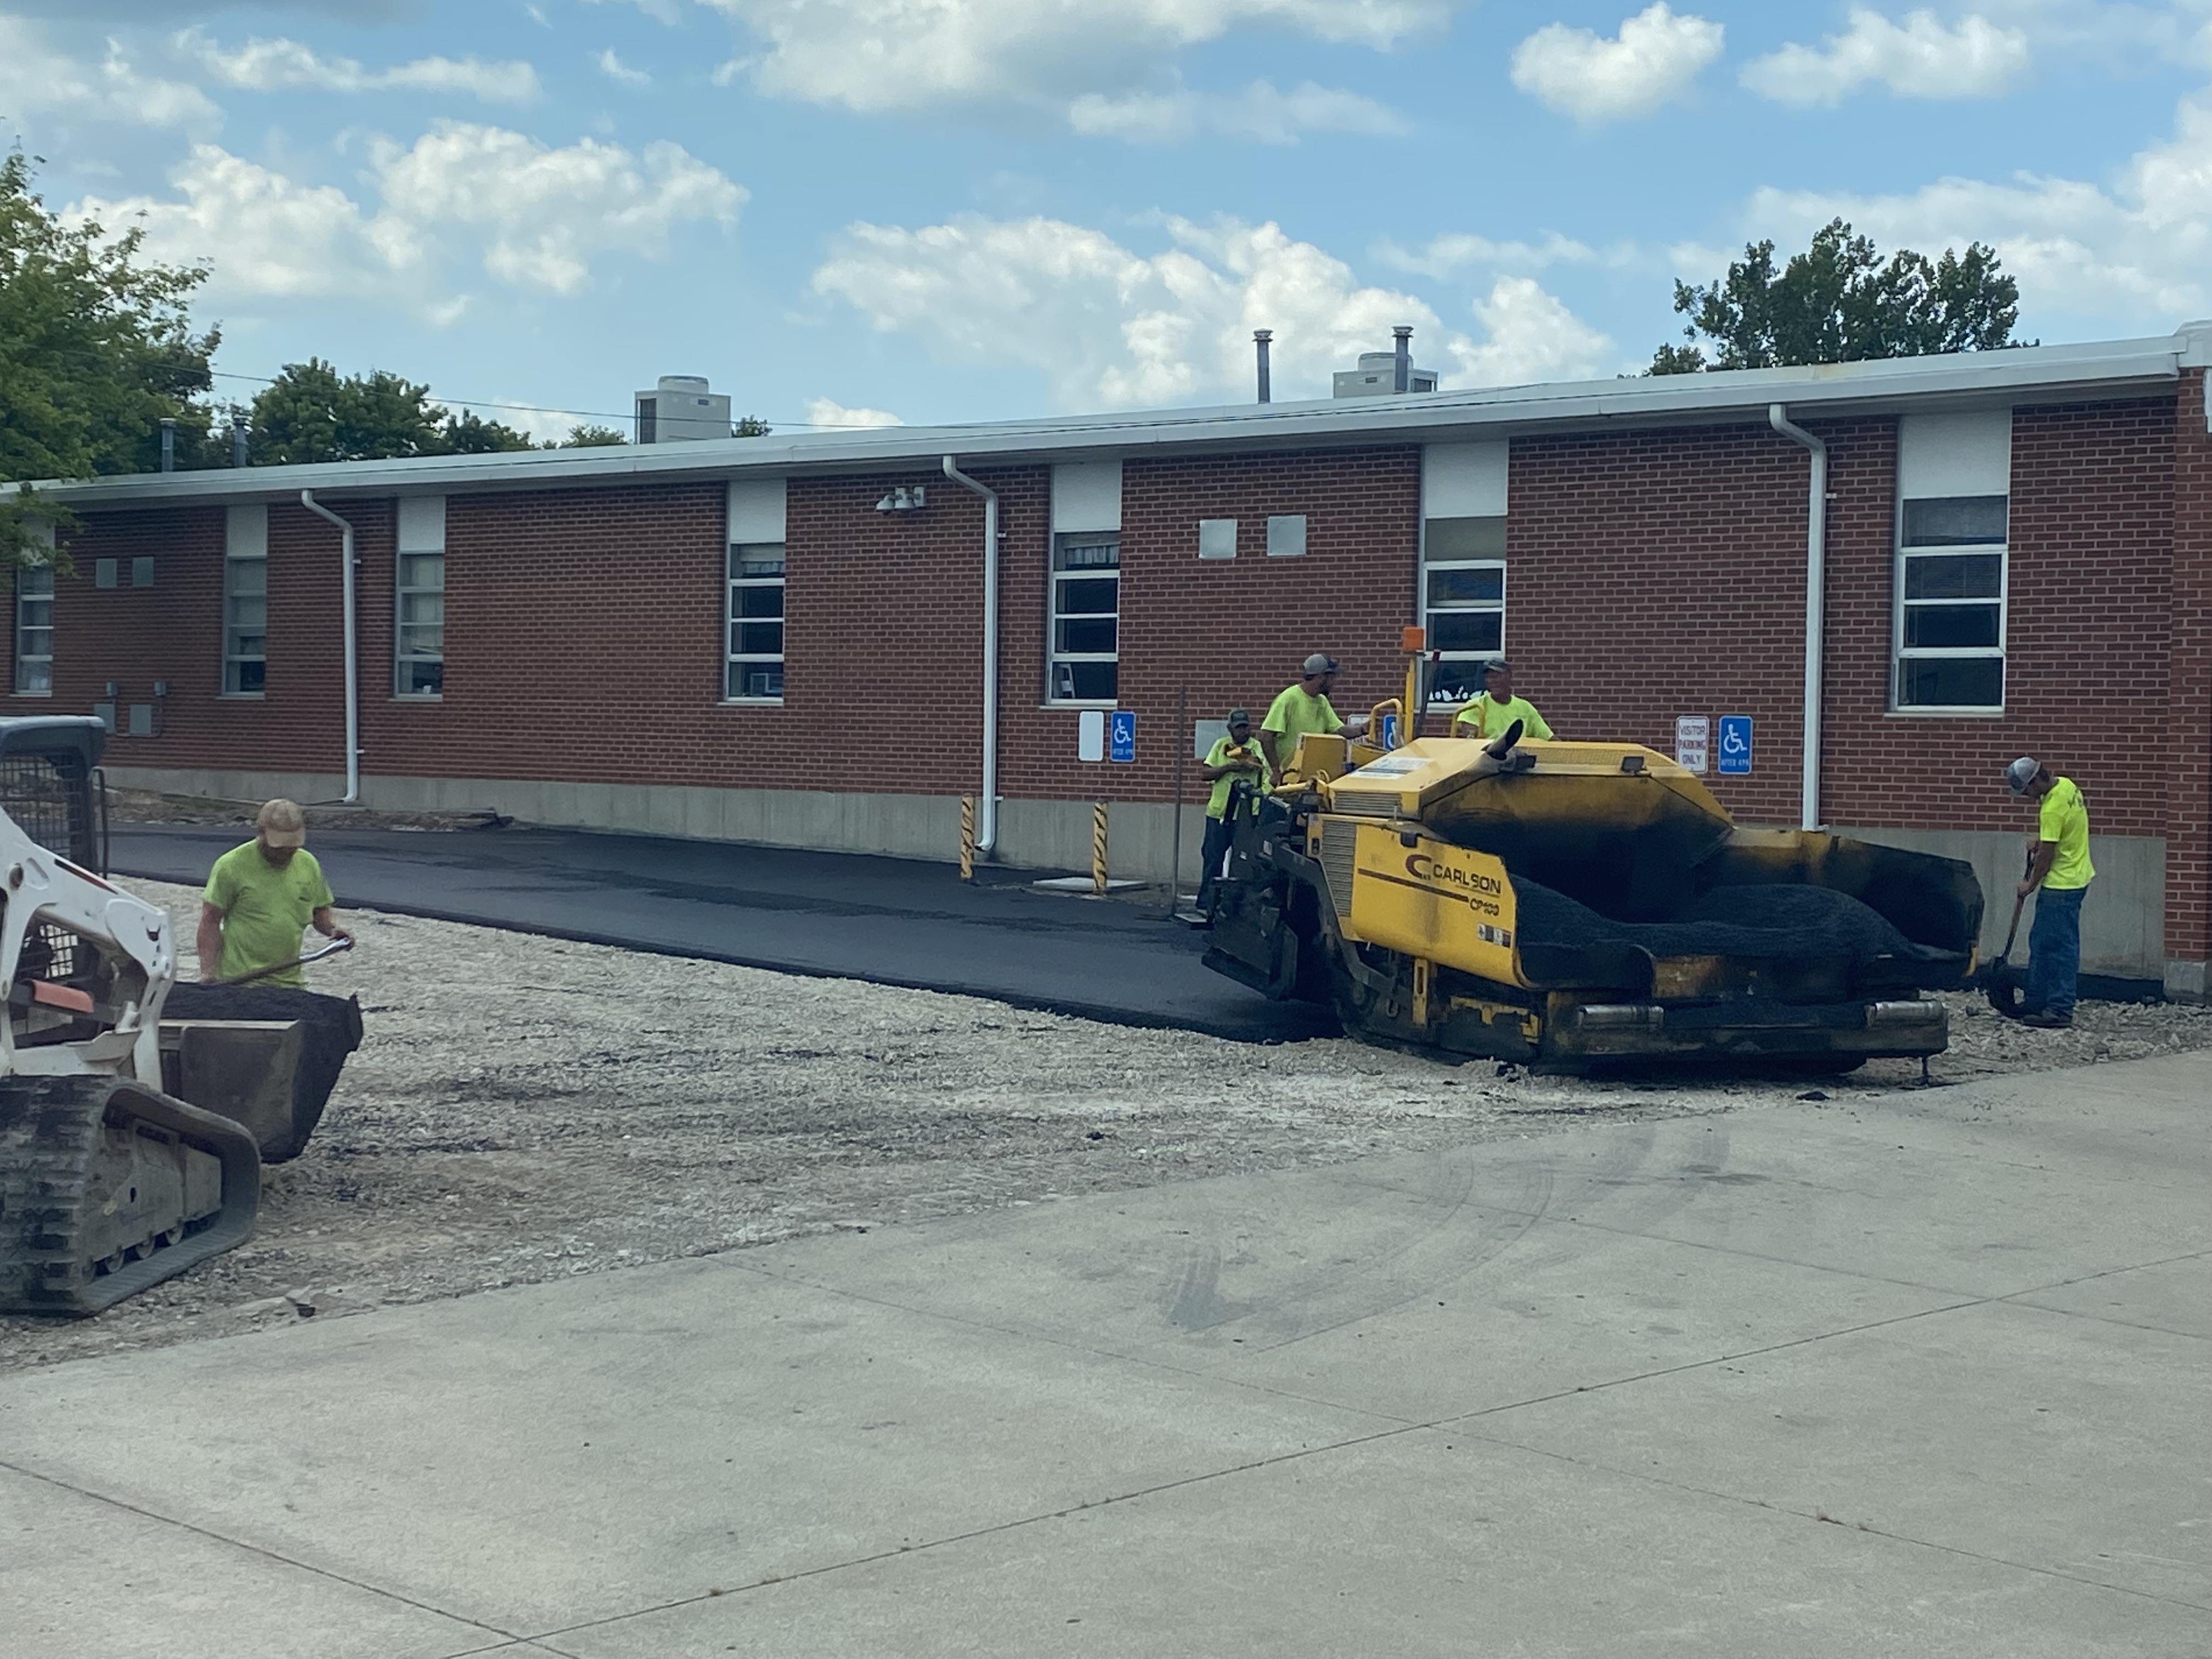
109	1182
1569	905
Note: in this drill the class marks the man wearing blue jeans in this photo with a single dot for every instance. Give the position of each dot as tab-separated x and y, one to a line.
2059	876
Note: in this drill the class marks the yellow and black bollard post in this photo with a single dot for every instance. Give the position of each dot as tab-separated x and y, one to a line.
967	837
1098	849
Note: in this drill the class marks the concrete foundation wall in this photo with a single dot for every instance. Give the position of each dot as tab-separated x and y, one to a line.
1042	834
2122	921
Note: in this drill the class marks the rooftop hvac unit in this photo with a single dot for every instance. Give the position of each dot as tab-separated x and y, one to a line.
680	409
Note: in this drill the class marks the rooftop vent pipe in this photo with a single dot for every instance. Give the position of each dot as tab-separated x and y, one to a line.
1259	338
168	443
1401	377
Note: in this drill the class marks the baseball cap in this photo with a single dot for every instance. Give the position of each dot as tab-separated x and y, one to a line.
1497	665
1239	717
1321	663
282	823
2021	773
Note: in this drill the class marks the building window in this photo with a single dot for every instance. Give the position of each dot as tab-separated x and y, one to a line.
419	637
1462	602
1951	603
245	624
35	630
1086	615
755	671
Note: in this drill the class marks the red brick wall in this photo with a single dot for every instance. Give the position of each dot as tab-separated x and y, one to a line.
2188	714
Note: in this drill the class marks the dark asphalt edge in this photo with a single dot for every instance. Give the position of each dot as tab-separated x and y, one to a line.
1097	1013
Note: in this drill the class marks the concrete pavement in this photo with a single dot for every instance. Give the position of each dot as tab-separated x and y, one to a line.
890	921
1926	1376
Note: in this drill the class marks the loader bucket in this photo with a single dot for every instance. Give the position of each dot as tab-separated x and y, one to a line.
267	1056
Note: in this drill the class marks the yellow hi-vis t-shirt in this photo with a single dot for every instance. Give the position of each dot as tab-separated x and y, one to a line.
1226	749
1490	718
1296	712
2064	818
265	910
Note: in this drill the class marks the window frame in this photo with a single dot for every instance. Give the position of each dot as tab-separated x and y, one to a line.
1056	577
401	656
1900	606
733	584
1485	561
234	659
39	566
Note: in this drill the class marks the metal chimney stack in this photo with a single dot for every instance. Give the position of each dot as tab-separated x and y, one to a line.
237	455
1259	338
168	444
1402	375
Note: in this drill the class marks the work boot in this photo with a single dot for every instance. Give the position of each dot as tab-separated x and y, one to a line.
2044	1020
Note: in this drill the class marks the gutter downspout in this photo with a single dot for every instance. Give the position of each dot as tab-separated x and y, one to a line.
987	825
352	651
1816	542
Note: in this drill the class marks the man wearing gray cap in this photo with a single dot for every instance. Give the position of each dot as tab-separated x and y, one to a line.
2058	874
1303	707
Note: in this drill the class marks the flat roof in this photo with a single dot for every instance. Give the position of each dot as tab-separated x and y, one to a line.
2100	369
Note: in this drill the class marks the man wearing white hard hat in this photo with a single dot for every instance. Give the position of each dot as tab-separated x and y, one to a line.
2058	874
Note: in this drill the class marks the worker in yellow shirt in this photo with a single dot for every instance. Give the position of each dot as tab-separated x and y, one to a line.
1303	707
1495	707
260	898
1233	758
2058	874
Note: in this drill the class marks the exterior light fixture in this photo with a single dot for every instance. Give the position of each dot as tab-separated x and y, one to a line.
903	500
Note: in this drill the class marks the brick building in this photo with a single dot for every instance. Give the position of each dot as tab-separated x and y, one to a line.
781	641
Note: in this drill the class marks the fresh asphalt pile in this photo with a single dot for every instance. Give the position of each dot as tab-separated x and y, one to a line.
525	1108
1756	922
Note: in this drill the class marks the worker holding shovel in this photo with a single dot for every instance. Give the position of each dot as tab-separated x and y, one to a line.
260	897
2058	875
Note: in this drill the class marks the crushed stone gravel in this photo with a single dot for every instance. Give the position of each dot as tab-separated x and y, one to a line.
525	1109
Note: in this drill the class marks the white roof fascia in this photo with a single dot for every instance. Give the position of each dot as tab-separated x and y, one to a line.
1965	379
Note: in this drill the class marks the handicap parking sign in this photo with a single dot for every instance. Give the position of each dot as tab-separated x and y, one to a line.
1735	743
1388	733
1121	741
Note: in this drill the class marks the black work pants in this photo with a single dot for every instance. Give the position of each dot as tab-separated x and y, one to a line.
1210	861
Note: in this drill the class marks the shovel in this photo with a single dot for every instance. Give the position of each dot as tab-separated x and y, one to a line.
339	945
2004	985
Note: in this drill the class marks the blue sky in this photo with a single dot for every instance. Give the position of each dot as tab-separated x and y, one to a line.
848	210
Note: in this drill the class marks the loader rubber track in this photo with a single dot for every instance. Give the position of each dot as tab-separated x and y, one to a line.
55	1149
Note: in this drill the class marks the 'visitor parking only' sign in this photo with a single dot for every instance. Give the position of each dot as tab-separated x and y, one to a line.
1693	741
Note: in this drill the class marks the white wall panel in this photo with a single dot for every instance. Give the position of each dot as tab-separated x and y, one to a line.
245	532
1464	481
756	510
422	524
1086	495
1954	454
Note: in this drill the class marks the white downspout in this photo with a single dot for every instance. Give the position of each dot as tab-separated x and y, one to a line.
1816	544
352	649
986	821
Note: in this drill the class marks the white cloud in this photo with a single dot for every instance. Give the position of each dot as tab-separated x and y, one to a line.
1110	327
1533	338
1260	112
615	69
39	80
2138	254
827	412
1652	62
268	65
1920	58
1447	255
535	217
906	55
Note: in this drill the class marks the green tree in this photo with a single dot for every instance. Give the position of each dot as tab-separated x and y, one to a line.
1838	302
96	348
464	434
591	437
751	426
312	413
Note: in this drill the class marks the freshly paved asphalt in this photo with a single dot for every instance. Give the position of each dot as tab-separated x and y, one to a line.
892	922
1924	1375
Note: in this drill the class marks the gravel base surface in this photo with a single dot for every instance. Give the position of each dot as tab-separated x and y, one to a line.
526	1108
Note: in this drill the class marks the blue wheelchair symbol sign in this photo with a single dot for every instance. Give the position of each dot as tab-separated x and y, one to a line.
1388	732
1735	743
1121	740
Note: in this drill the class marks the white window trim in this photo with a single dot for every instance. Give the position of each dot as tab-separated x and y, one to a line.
1421	578
731	585
43	568
231	562
1054	656
1900	654
400	655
